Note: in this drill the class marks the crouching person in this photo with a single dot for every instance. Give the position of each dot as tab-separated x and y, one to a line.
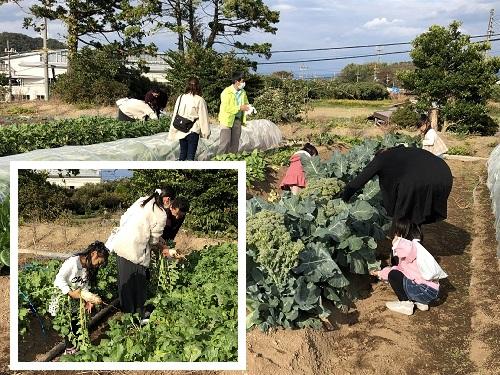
415	278
72	281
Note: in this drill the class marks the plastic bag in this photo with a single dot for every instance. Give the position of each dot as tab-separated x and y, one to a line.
427	265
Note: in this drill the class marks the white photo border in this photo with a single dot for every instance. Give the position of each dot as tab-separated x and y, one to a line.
240	364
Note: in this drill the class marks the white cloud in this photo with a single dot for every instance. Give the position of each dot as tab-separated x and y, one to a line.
284	7
377	23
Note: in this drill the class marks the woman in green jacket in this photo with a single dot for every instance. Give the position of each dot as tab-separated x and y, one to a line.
234	103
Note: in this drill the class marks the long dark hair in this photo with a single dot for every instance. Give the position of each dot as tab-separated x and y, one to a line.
193	86
310	149
406	229
424	120
102	252
158	196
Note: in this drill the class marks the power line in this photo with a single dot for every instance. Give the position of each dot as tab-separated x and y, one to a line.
343	57
331	58
350	47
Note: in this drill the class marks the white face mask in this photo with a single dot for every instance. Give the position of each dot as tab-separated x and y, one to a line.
241	86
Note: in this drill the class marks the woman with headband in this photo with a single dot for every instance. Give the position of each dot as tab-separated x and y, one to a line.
141	227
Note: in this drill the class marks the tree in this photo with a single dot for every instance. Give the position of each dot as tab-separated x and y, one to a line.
94	22
209	22
454	74
212	68
282	74
100	76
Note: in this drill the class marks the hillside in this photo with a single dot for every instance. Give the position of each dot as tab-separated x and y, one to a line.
24	43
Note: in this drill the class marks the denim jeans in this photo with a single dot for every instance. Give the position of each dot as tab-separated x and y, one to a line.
421	293
188	146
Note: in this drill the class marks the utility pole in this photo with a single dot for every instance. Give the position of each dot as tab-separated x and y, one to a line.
489	33
9	51
45	60
378	49
387	79
357	75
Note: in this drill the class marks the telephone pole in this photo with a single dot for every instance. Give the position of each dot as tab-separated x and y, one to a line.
9	51
378	49
45	60
489	33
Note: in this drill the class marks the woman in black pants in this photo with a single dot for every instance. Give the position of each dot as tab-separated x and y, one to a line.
141	227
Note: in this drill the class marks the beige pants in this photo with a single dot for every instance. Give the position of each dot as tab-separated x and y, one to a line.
230	138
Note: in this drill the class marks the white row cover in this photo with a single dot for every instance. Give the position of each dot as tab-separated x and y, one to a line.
494	186
257	134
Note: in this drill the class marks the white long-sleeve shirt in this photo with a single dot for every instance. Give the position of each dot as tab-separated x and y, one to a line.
71	276
140	228
433	143
191	107
136	109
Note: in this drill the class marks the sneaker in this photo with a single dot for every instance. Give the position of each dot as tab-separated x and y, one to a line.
71	351
403	307
422	306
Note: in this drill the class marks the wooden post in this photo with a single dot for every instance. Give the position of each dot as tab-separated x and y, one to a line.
434	118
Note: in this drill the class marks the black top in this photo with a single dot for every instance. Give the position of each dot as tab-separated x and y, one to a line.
415	184
172	226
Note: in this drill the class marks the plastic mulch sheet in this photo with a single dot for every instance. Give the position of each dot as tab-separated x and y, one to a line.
494	186
257	134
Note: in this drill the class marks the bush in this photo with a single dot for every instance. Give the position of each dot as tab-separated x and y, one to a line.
495	93
100	76
361	90
281	100
469	118
405	116
464	150
39	199
212	194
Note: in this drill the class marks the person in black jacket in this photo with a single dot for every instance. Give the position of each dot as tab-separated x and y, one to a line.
415	184
175	217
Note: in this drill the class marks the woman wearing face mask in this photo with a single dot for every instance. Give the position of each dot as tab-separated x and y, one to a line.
234	104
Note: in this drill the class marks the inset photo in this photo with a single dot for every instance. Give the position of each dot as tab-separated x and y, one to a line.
128	266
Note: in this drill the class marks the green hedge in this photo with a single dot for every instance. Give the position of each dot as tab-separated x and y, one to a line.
80	131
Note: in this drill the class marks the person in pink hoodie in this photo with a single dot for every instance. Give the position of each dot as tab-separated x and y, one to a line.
295	178
405	278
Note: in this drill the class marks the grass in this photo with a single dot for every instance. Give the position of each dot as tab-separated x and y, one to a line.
10	110
464	150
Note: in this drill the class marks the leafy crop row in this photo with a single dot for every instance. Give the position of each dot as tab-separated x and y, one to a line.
195	315
22	138
299	248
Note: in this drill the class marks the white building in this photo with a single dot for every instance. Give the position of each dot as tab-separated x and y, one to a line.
86	176
28	77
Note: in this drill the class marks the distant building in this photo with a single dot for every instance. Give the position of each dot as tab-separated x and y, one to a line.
86	176
28	78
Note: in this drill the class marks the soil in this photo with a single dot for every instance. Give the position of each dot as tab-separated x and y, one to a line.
77	236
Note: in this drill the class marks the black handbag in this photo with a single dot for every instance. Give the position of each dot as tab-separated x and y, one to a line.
181	123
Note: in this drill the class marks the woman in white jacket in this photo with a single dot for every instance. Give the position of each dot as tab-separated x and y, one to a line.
141	227
192	106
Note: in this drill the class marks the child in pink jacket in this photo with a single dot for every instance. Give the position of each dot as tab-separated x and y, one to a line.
406	279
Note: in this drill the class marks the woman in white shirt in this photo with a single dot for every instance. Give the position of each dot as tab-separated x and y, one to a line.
75	276
141	227
431	142
192	106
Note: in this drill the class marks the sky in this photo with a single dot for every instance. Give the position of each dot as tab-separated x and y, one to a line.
332	23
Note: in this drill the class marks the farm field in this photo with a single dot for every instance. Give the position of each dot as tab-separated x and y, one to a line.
459	335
